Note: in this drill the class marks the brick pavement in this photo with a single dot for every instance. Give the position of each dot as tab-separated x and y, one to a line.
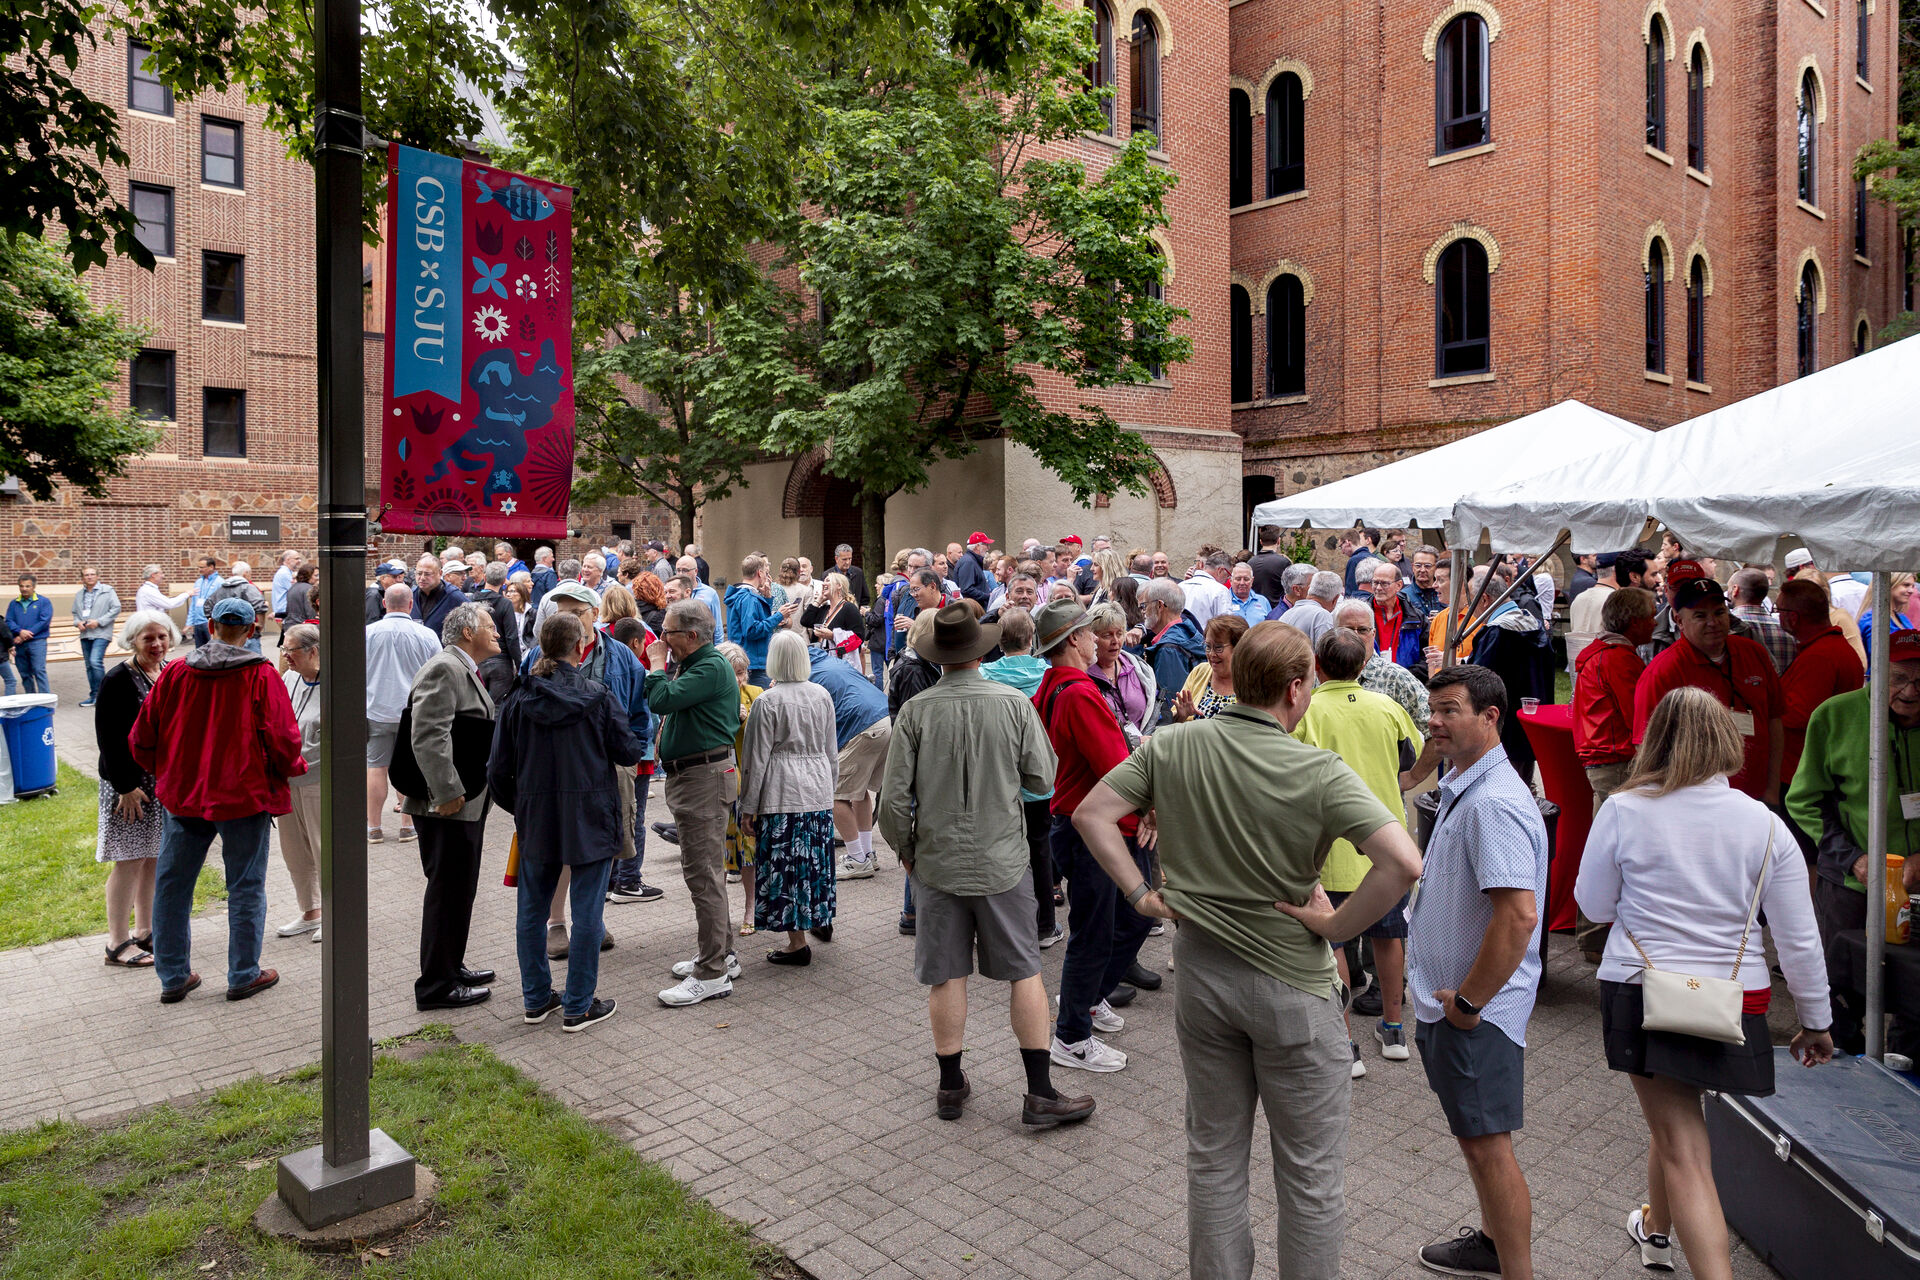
802	1105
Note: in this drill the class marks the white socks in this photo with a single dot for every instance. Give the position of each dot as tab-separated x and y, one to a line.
861	847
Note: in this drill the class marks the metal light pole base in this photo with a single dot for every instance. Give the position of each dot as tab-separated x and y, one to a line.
319	1194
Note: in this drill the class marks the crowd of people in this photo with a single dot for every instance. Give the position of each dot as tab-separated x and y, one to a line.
1044	739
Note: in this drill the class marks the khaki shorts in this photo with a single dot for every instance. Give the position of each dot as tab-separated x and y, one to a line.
949	931
381	740
862	761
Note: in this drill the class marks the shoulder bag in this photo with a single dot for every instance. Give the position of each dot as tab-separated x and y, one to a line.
1709	1008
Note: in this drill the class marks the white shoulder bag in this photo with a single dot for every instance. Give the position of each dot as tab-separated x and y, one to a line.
1693	1006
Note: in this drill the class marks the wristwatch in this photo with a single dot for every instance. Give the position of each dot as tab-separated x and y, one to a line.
1465	1005
1140	891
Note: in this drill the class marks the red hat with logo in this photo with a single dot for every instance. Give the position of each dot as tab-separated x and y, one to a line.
1689	584
1904	647
978	539
1070	538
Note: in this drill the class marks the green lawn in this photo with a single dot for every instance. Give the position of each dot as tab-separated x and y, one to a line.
50	886
527	1188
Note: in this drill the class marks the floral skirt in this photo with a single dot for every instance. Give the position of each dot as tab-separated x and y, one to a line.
123	841
794	886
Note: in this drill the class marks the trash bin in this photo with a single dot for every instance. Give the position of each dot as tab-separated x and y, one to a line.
26	725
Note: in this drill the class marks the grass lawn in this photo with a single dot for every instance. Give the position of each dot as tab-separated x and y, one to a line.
50	886
528	1189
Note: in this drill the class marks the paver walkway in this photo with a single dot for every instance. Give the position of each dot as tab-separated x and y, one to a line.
803	1104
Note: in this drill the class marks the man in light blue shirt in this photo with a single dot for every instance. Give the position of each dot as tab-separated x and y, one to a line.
283	582
397	647
1248	603
862	733
706	595
202	588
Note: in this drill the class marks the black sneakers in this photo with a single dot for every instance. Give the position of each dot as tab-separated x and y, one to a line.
598	1011
1470	1253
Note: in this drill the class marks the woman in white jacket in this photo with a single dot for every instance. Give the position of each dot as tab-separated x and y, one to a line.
788	767
1674	862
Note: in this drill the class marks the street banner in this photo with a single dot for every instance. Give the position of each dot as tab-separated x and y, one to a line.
477	415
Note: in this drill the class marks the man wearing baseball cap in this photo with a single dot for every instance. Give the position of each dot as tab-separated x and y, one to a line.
1733	668
969	569
385	575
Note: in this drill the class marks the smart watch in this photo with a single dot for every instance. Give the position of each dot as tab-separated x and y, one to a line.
1140	891
1465	1005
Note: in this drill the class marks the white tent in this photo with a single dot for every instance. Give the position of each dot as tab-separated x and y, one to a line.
1833	458
1420	491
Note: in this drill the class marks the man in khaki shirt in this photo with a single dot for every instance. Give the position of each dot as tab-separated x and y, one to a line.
960	830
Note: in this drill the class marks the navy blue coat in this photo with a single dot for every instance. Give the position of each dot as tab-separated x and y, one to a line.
555	747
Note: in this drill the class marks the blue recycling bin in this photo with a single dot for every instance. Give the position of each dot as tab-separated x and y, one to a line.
26	724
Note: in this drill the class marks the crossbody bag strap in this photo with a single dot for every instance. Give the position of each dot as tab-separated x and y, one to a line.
1753	909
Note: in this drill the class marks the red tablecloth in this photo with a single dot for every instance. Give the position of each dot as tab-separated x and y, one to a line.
1550	730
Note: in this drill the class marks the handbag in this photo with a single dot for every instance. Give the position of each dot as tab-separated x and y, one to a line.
1690	1005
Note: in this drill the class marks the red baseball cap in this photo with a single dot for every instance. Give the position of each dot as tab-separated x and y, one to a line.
1689	583
978	539
1070	538
1904	647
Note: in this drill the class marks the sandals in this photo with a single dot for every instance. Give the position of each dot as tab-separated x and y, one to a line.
141	960
746	928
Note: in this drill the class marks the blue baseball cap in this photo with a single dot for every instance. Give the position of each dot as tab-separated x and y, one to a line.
234	612
391	568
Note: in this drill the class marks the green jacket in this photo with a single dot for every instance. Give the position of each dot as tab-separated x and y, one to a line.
701	704
1828	798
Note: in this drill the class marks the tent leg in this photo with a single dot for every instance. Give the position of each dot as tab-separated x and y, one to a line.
1456	596
1877	734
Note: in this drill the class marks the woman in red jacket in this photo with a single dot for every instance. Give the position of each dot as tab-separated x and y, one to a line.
1605	673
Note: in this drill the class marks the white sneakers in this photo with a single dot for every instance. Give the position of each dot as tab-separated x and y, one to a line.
685	968
297	926
1656	1251
1091	1054
1105	1019
856	869
693	990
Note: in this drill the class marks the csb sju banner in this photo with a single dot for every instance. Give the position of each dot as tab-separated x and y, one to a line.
477	421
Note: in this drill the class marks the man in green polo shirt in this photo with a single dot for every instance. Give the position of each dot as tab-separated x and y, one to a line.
701	703
1246	816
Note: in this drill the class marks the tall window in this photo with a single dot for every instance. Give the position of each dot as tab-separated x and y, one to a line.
144	90
1697	320
1657	85
153	212
1157	291
1286	337
1809	300
1809	140
1462	323
1286	136
1862	25
1239	148
224	423
1242	312
1656	303
151	390
1100	70
1143	53
1461	85
1697	109
221	161
223	287
1860	216
1862	338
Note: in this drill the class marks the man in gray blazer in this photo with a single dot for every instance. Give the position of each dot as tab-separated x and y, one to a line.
451	826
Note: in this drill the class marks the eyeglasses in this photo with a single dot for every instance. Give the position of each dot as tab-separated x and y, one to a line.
679	631
1218	650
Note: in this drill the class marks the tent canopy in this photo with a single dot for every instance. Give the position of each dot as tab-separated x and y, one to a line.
1833	457
1420	491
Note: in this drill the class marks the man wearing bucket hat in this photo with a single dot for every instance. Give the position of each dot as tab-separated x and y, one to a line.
1104	933
961	835
1733	668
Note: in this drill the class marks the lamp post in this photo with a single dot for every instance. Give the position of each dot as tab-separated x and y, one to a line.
355	1168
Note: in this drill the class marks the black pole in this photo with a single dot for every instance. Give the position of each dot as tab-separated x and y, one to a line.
356	1167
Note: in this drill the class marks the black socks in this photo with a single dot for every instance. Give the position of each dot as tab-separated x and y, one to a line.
950	1076
1038	1063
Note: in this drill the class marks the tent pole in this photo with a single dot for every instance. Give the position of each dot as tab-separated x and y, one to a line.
1877	735
1481	621
1456	594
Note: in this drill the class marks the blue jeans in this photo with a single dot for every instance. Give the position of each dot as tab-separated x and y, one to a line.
200	636
93	648
253	642
183	851
1104	933
6	676
626	871
587	894
31	660
759	679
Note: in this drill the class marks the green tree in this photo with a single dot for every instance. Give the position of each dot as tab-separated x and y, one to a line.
951	263
1892	165
59	354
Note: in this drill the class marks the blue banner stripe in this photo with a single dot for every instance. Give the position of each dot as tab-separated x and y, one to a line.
429	305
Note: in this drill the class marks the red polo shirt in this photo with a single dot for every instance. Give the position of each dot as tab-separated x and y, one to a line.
1745	682
1826	665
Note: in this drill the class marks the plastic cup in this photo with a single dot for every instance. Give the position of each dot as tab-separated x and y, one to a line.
1529	705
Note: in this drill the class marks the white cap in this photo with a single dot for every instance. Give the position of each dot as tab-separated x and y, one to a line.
1797	557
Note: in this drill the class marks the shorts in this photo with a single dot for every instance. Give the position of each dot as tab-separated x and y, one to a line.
1479	1076
862	761
1391	925
950	931
1690	1060
381	739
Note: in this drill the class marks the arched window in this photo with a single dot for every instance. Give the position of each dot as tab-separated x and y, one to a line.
1697	320
1100	70
1657	85
1862	338
1286	337
1808	349
1656	303
1239	148
1697	109
1809	139
1861	26
1461	85
1143	52
1462	324
1242	311
1286	136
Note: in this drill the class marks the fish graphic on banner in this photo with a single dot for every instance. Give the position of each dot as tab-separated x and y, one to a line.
477	434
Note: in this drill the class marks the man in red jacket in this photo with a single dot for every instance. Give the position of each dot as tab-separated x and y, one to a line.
1605	674
1104	934
218	735
1826	665
1734	669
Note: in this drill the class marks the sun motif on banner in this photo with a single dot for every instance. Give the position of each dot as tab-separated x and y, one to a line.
491	324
